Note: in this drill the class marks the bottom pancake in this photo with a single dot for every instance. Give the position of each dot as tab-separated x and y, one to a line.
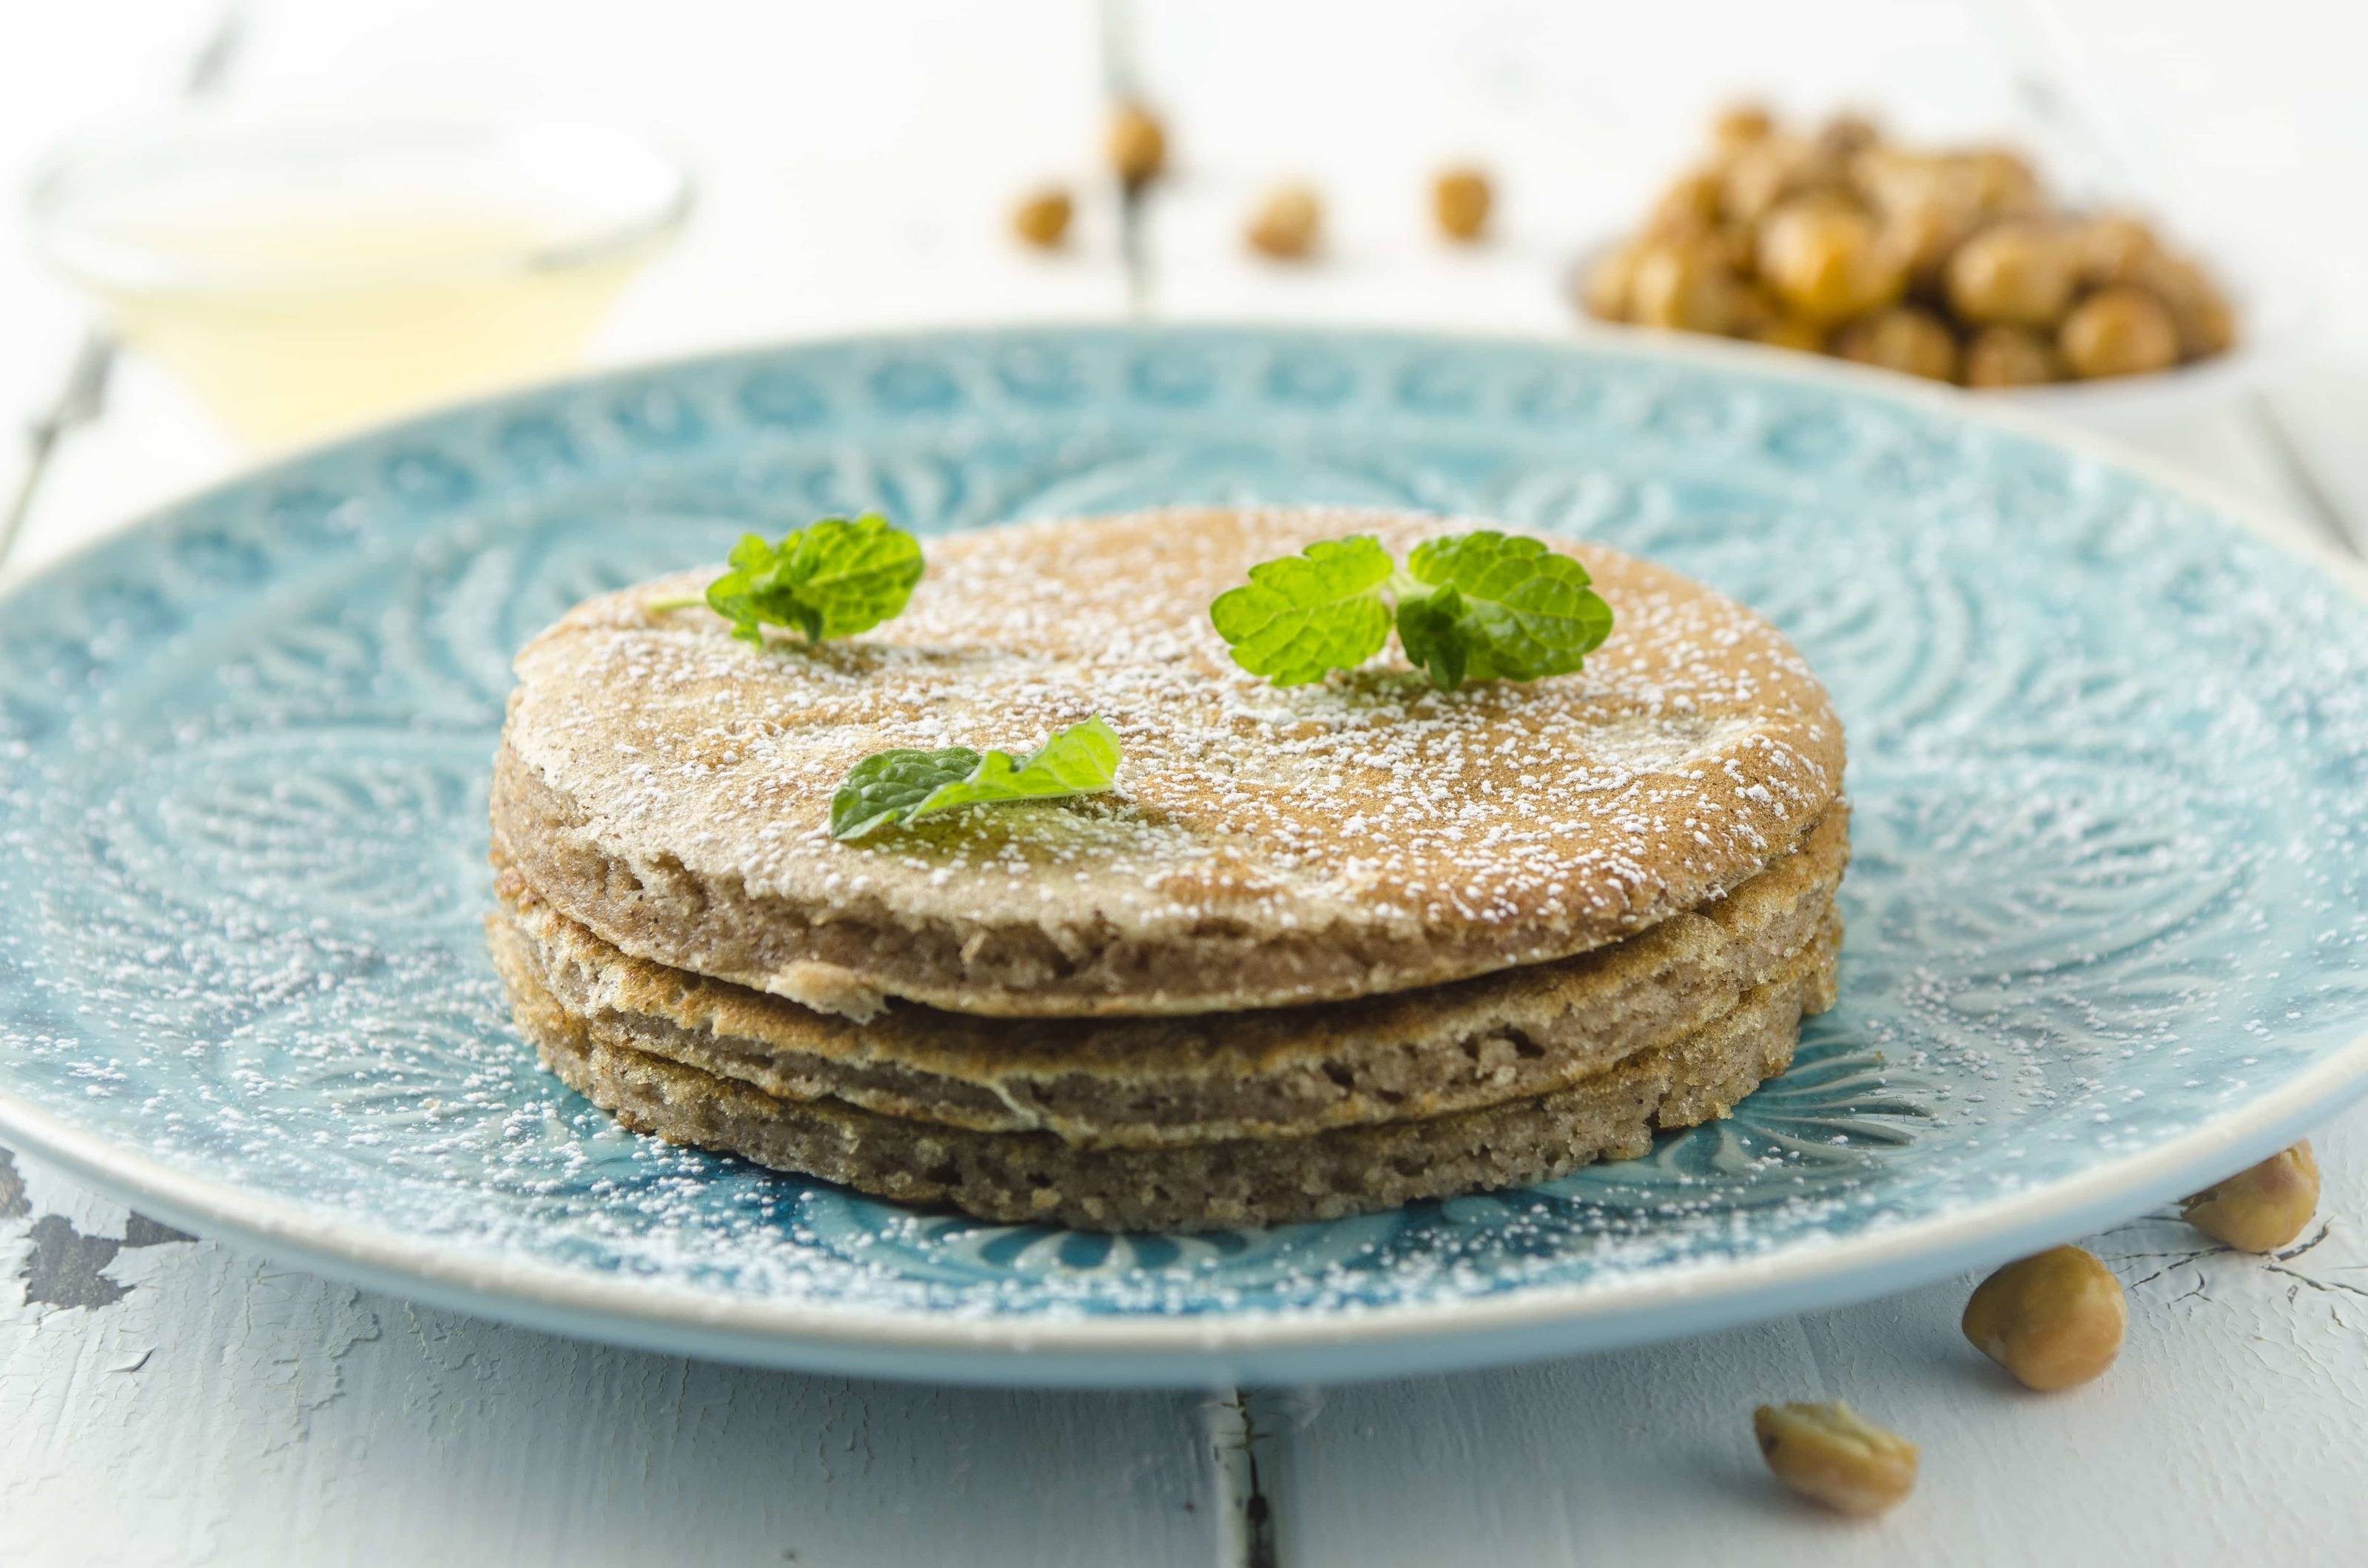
1035	1177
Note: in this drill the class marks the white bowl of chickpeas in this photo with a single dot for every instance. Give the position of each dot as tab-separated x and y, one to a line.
1952	265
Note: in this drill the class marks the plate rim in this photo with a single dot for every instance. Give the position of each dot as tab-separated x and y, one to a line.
1190	1349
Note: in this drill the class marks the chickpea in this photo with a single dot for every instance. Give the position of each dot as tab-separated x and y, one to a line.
1788	330
1460	200
2016	273
2054	1320
1287	223
1904	338
2261	1208
1845	135
1607	290
1682	287
1763	174
1137	144
1730	246
2207	324
2000	183
1754	306
1893	176
2115	249
1923	233
1763	318
1835	1456
2011	357
1827	260
1742	122
2119	332
1042	220
1691	203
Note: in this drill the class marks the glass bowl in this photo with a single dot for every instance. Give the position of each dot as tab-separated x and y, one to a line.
305	271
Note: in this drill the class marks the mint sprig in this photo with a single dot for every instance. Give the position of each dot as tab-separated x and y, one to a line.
890	788
1501	606
1482	606
832	578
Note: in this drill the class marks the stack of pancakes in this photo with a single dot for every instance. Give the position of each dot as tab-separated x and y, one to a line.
1323	949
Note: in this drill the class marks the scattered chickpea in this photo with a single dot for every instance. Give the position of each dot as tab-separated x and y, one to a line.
1287	222
1827	260
2055	1320
1835	1456
2263	1207
1460	199
2011	357
1138	144
1905	338
2119	332
2014	273
1042	220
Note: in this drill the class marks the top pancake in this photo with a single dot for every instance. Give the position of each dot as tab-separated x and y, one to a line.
669	788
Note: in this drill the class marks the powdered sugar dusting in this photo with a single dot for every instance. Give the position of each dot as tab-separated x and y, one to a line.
1694	747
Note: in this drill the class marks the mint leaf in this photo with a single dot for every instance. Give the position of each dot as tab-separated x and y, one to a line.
1483	606
1502	607
888	786
832	578
1319	611
1429	630
892	788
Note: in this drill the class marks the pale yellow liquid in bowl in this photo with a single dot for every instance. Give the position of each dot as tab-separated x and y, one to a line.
296	321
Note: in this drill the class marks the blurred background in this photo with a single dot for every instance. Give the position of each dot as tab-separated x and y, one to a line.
503	190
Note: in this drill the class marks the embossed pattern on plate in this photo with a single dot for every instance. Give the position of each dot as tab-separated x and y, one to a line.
2109	756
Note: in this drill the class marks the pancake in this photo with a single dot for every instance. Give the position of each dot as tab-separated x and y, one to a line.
668	789
1274	1073
1035	1177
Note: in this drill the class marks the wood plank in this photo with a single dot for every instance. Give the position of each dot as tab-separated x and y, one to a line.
205	1406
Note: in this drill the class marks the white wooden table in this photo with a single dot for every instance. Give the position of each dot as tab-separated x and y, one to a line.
164	1400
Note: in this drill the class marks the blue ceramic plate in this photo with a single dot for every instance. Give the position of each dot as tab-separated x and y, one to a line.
2108	919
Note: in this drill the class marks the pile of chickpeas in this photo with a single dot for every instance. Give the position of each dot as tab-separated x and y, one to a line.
1952	265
